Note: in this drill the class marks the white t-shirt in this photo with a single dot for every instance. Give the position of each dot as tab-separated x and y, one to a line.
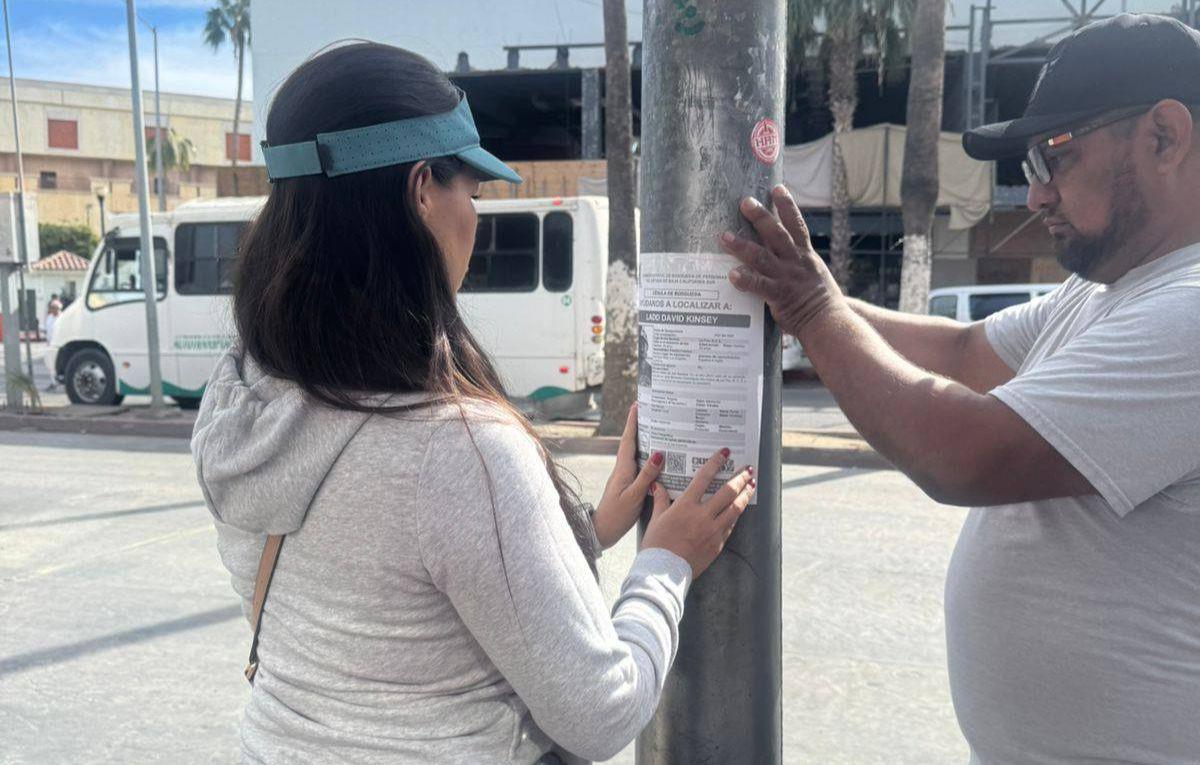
1073	624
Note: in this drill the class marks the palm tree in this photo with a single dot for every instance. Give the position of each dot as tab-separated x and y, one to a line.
177	153
852	29
230	20
919	180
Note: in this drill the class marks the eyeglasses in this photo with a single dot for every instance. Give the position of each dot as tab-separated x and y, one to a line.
1036	164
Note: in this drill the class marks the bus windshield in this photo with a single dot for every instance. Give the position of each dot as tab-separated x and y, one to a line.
117	278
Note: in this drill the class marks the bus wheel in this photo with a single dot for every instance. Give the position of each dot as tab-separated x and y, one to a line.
90	378
187	402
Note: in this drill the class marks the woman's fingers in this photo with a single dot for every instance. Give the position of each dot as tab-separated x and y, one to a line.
662	500
730	513
727	493
704	477
649	472
628	445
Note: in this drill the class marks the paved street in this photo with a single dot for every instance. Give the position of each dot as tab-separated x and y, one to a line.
124	643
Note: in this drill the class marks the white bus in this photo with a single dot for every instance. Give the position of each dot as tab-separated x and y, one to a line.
533	296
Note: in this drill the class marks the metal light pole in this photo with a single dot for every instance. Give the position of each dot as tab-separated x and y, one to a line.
159	181
713	74
100	199
22	249
149	280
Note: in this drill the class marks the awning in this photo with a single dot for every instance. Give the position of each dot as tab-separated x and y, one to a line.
874	164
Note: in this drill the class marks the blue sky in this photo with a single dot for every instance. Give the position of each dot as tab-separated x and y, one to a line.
85	40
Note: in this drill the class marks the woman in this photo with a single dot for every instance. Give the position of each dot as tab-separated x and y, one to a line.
435	599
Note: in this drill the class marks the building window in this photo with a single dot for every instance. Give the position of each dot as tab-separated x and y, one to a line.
62	134
204	257
47	179
243	147
506	254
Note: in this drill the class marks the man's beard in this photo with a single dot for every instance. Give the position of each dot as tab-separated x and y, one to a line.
1081	254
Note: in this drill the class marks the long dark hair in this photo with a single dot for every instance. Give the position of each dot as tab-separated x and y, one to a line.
340	287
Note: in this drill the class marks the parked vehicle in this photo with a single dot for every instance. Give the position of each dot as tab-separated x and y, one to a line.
969	303
533	296
978	301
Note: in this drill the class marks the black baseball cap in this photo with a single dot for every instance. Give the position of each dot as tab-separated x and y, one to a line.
1123	61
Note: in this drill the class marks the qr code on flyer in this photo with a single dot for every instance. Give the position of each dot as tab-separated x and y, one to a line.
676	463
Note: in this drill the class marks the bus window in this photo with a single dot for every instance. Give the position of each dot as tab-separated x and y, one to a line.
506	254
118	276
557	241
204	257
944	305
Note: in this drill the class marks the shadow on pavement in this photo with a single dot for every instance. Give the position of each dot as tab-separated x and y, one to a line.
58	654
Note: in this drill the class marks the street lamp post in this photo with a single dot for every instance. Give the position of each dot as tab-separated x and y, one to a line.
712	105
149	278
22	241
159	180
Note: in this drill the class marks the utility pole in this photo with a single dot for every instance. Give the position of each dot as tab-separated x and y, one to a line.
22	241
149	279
712	91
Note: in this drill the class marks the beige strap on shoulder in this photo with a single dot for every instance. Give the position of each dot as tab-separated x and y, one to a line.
262	583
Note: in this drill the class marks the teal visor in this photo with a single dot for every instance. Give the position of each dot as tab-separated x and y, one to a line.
451	133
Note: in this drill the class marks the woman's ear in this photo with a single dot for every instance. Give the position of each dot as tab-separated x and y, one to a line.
419	179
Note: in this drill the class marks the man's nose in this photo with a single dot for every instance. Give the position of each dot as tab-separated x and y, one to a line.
1040	196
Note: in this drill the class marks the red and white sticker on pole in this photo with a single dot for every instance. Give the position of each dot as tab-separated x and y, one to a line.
765	141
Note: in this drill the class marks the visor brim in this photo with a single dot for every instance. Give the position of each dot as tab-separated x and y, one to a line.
488	165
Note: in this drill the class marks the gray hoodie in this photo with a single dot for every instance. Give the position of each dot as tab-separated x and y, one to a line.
430	603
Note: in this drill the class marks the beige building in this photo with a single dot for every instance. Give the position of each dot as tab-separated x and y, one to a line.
77	142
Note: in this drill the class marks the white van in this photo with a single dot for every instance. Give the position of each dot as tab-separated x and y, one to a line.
533	296
979	301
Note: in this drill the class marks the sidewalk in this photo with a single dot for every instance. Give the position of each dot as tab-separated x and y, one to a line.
800	447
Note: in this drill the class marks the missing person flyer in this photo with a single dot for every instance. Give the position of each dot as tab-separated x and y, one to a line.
700	372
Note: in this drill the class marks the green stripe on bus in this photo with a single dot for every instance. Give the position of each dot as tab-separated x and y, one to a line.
547	391
169	389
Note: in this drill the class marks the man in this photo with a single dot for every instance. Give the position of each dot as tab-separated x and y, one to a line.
1071	424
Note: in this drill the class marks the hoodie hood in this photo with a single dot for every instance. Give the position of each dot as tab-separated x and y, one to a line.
262	448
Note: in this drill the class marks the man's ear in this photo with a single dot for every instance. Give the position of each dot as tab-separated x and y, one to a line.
419	178
1172	129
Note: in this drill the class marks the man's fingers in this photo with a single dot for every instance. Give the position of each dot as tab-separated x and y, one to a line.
649	472
727	493
754	255
705	475
770	230
747	280
628	444
790	217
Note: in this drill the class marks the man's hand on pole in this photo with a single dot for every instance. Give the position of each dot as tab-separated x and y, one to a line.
784	270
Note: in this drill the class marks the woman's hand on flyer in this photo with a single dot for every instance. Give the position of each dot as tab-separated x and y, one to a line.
696	529
784	270
626	489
